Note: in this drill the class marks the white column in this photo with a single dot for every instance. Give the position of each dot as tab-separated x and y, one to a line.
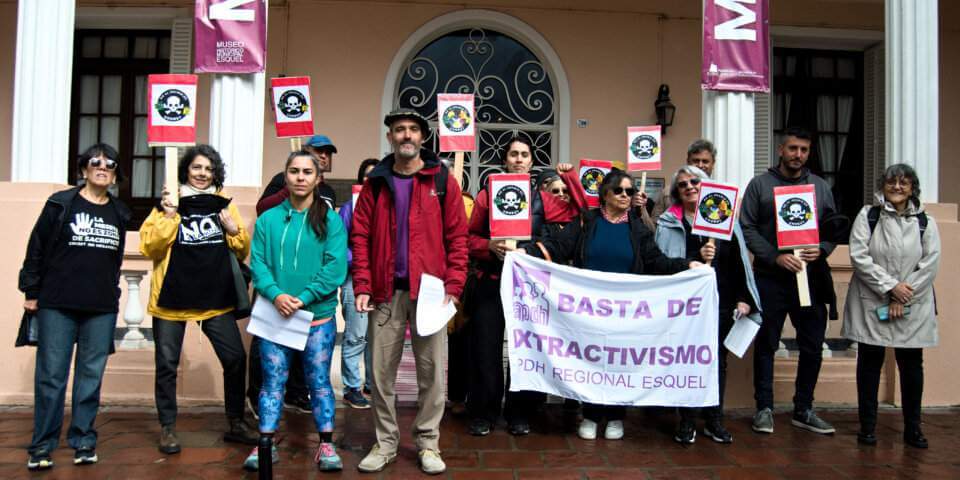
41	91
728	123
236	126
912	90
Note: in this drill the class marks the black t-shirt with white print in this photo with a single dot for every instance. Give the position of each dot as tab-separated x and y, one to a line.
82	272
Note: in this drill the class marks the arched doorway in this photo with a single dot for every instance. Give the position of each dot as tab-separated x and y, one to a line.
519	86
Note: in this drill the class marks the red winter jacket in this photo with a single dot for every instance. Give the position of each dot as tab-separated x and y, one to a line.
438	246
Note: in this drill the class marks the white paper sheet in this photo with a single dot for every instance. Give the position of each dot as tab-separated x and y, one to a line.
267	322
432	314
741	335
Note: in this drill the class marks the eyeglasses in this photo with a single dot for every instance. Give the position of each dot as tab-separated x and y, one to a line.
558	191
108	163
693	182
630	191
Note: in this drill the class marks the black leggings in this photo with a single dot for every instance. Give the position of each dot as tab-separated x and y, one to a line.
910	365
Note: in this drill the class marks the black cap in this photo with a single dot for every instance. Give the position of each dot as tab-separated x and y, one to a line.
407	113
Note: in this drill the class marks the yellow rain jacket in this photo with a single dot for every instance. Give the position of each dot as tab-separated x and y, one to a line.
157	235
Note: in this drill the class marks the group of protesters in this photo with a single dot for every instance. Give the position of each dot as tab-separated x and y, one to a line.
411	218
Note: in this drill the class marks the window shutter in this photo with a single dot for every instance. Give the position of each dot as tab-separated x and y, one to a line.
874	120
762	149
181	46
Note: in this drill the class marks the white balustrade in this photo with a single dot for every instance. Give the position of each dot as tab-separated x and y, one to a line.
133	313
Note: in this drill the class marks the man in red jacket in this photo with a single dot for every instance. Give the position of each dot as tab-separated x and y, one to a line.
405	226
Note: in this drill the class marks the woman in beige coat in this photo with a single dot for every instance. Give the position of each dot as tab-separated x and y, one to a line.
895	252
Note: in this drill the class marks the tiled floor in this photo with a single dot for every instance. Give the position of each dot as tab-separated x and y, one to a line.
127	450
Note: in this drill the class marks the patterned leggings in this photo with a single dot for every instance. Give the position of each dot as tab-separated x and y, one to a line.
317	355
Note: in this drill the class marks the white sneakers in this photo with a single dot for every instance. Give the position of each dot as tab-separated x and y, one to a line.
588	430
375	461
431	463
614	430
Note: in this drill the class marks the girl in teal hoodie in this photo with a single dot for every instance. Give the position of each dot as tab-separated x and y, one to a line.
299	260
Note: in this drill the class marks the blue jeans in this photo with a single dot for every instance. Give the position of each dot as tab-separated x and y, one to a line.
354	340
317	357
57	331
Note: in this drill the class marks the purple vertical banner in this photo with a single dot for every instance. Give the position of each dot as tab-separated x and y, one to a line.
736	45
230	36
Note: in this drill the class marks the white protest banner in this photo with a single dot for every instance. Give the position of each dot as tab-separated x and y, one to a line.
609	338
796	212
456	122
509	206
716	210
643	148
591	176
291	104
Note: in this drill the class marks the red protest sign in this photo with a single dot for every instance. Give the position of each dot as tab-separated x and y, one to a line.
796	211
643	148
355	194
172	119
456	121
591	176
292	107
509	206
716	210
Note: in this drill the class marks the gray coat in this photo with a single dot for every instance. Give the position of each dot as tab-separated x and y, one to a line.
892	254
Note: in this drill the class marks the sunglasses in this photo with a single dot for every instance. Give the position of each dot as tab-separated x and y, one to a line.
108	163
630	191
558	191
693	182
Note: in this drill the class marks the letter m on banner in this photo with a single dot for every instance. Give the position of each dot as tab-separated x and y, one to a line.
736	46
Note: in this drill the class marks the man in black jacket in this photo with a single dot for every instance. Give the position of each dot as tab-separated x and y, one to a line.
776	280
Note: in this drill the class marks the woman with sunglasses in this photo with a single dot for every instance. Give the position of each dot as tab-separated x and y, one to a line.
193	281
609	239
69	279
737	290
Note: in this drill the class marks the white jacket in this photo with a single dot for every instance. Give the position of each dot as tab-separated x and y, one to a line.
892	254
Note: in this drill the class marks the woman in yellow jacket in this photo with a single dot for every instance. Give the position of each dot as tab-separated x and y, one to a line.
192	280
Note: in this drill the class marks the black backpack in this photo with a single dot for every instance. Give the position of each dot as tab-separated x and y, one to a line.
873	217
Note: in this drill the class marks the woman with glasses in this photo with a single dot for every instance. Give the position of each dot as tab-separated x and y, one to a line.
69	279
895	252
609	239
737	290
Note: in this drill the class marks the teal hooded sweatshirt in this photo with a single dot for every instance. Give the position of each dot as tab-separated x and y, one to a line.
287	257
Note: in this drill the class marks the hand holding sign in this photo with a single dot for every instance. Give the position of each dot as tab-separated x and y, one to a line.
172	120
797	229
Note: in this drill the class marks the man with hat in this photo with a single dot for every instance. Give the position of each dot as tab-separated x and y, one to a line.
409	221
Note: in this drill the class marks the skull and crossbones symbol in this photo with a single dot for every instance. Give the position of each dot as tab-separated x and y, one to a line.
796	213
293	104
173	107
645	148
511	201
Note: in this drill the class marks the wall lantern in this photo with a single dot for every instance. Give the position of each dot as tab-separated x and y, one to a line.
665	108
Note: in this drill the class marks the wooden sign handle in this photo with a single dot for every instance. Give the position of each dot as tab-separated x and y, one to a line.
803	288
643	181
171	181
711	241
510	243
458	167
295	145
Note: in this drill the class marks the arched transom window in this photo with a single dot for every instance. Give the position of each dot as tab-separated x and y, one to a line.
514	95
